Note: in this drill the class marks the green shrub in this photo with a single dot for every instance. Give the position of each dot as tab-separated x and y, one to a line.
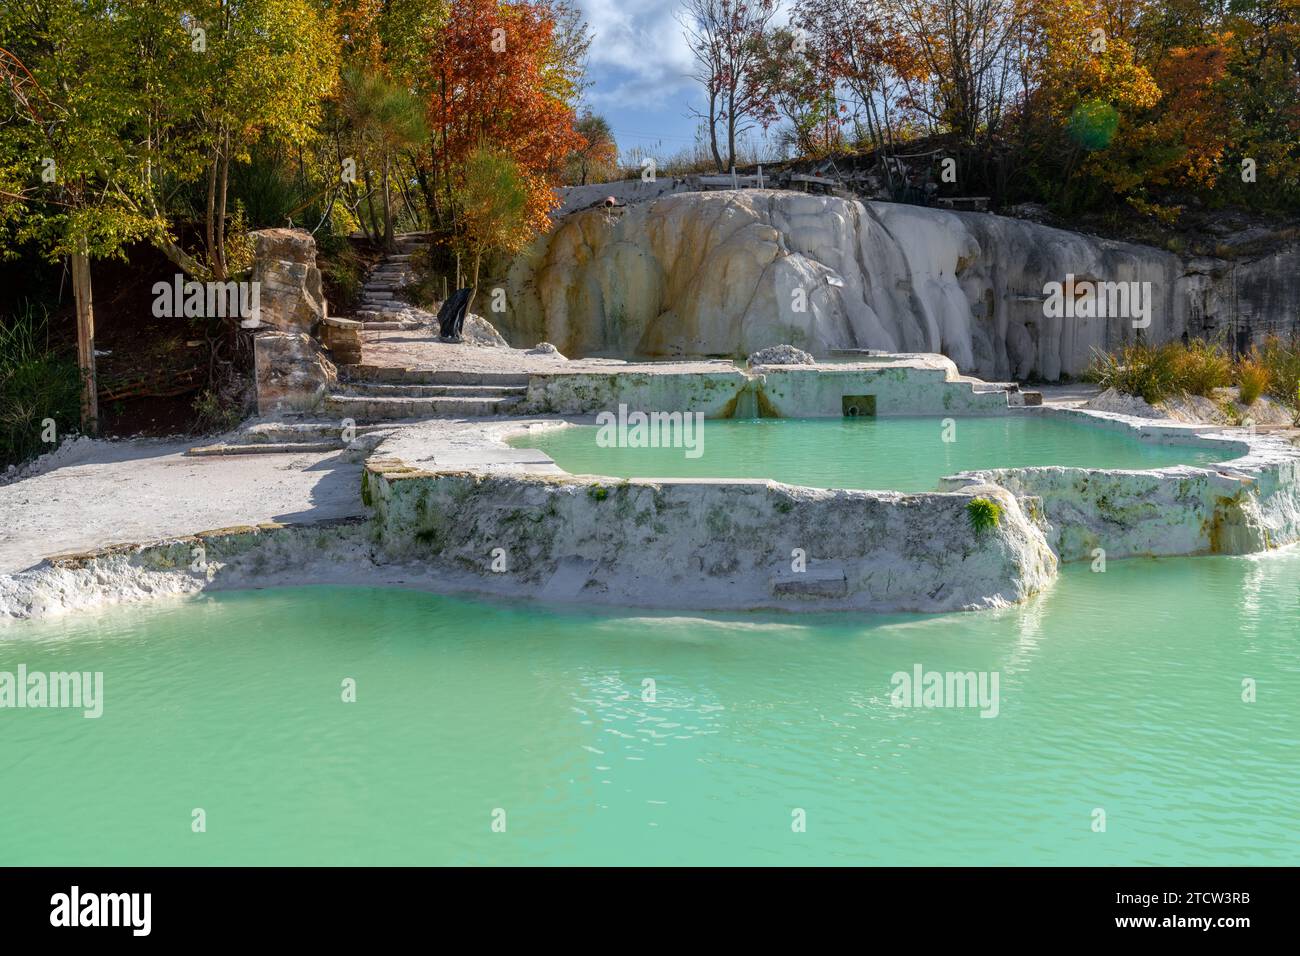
1200	368
1252	379
1139	369
983	514
1282	360
1157	372
37	383
213	414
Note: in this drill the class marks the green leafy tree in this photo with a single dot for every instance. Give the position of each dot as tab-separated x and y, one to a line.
384	120
266	69
493	196
73	184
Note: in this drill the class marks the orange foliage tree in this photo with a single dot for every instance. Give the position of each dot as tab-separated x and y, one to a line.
497	83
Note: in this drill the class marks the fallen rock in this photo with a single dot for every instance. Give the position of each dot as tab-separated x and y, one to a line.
479	331
1120	403
781	355
546	348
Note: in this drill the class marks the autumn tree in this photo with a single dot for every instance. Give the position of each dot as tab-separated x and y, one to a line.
866	52
499	81
597	158
726	38
966	48
797	88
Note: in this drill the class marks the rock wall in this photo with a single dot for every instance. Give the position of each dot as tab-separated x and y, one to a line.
726	273
707	544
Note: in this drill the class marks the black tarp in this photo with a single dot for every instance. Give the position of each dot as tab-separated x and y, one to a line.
451	317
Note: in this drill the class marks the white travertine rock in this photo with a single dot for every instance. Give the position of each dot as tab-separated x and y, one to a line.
728	273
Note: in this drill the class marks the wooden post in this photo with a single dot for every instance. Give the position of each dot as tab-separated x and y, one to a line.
85	342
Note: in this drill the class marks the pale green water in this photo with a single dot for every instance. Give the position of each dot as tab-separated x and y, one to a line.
1119	690
896	454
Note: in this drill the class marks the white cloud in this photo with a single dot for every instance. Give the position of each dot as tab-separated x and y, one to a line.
638	54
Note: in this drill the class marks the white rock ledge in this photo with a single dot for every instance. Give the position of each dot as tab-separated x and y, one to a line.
454	509
1248	504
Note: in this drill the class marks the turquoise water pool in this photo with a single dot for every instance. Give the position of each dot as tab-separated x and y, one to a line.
896	454
1120	691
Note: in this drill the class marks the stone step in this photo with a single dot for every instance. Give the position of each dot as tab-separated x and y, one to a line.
396	375
380	325
327	429
386	409
384	390
266	448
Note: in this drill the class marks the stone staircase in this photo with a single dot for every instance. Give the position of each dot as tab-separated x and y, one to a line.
368	393
379	310
379	305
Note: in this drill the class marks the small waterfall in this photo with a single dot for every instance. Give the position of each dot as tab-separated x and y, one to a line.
746	403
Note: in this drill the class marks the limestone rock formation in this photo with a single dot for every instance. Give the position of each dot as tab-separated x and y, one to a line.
727	273
292	299
291	372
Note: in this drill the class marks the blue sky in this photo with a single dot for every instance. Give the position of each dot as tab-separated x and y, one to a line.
640	65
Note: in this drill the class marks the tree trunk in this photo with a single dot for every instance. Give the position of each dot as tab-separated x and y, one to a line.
85	342
473	290
221	209
389	245
373	226
731	132
713	131
209	220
